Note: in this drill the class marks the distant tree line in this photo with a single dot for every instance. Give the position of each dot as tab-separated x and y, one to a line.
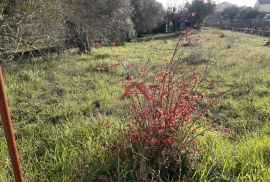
31	24
242	13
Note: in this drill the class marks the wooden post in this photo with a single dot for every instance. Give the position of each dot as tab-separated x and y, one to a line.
9	133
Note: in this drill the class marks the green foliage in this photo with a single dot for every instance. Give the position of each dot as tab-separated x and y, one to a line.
250	13
201	10
64	135
148	15
230	13
88	20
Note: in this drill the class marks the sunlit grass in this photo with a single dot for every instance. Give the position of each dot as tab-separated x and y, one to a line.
63	135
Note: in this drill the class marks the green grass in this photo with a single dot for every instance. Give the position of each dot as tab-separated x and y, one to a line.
63	136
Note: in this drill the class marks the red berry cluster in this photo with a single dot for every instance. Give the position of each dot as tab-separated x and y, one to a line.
164	108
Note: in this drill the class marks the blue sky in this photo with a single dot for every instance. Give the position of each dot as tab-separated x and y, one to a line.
237	2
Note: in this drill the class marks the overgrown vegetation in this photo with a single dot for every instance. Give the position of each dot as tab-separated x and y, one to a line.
29	27
68	116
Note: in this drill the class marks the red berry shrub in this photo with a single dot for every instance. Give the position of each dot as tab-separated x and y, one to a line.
164	110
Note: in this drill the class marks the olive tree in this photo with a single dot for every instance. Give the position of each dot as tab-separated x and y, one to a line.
27	25
148	15
87	20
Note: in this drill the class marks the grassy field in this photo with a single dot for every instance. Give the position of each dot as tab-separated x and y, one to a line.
67	113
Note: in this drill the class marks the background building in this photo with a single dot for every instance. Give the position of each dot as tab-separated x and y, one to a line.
263	5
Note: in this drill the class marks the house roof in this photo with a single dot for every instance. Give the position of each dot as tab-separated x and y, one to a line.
264	1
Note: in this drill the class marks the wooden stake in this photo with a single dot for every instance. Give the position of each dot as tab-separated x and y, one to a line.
9	133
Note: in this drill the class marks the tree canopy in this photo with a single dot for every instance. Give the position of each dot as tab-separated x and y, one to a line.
30	24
